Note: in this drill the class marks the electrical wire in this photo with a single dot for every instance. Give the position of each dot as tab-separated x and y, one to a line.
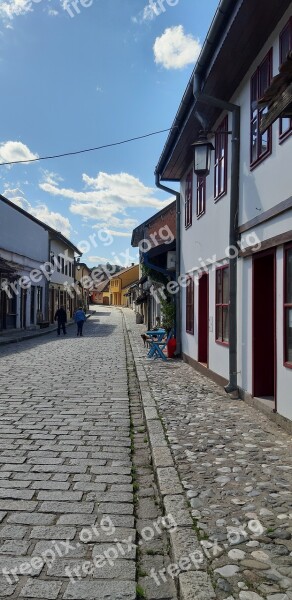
140	137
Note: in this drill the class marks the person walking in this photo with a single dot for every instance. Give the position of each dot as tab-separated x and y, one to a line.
61	317
79	318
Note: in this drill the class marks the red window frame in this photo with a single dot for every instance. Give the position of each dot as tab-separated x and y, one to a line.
190	289
285	39
260	81
189	200
220	162
201	195
287	307
221	306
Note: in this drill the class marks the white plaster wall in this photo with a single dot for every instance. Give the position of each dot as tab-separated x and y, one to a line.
244	324
21	235
205	241
284	375
218	354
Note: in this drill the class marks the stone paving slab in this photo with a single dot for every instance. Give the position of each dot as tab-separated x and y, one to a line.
235	469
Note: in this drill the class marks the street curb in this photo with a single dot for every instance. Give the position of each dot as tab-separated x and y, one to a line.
183	539
33	335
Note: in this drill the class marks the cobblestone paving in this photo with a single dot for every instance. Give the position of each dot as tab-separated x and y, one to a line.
65	476
236	469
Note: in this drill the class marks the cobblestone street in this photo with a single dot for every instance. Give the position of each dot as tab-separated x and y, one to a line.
81	505
235	471
66	496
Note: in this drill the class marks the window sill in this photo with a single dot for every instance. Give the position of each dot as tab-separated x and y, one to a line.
188	226
190	332
284	136
217	198
257	162
226	344
288	365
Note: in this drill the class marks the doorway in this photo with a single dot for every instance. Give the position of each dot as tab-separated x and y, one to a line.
203	325
264	323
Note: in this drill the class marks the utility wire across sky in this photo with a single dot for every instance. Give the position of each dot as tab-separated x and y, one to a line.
140	137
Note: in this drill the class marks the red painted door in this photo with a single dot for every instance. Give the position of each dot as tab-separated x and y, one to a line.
203	328
264	315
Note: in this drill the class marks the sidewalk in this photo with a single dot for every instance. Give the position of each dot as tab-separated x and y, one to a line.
224	471
20	335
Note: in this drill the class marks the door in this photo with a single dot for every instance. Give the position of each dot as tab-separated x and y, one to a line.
23	298
3	309
264	323
32	304
203	325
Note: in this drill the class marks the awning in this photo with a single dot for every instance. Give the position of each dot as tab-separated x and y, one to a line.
141	299
143	279
8	270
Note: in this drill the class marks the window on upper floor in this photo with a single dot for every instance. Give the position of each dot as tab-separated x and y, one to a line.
189	199
220	166
190	305
285	46
222	305
201	196
62	265
288	307
260	144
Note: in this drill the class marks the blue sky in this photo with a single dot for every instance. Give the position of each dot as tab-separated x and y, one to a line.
116	69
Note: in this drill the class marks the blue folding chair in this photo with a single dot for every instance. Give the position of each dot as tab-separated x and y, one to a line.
156	348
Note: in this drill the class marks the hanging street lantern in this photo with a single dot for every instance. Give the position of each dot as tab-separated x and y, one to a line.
202	155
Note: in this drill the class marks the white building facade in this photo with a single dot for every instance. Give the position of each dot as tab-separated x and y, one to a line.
238	72
37	270
24	247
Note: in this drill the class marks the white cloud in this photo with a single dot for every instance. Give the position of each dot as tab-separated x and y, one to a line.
14	8
107	197
41	211
175	49
99	260
126	223
51	177
13	151
52	12
16	195
118	233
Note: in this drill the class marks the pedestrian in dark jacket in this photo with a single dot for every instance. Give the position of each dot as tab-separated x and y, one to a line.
61	317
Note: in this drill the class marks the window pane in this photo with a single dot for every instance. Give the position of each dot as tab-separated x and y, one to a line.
264	77
222	174
285	43
219	323
254	94
219	286
254	146
286	124
216	190
225	320
289	276
225	299
289	335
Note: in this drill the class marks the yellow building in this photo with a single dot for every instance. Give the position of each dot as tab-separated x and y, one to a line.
120	283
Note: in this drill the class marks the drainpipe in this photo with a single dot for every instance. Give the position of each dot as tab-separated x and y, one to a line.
177	268
233	222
